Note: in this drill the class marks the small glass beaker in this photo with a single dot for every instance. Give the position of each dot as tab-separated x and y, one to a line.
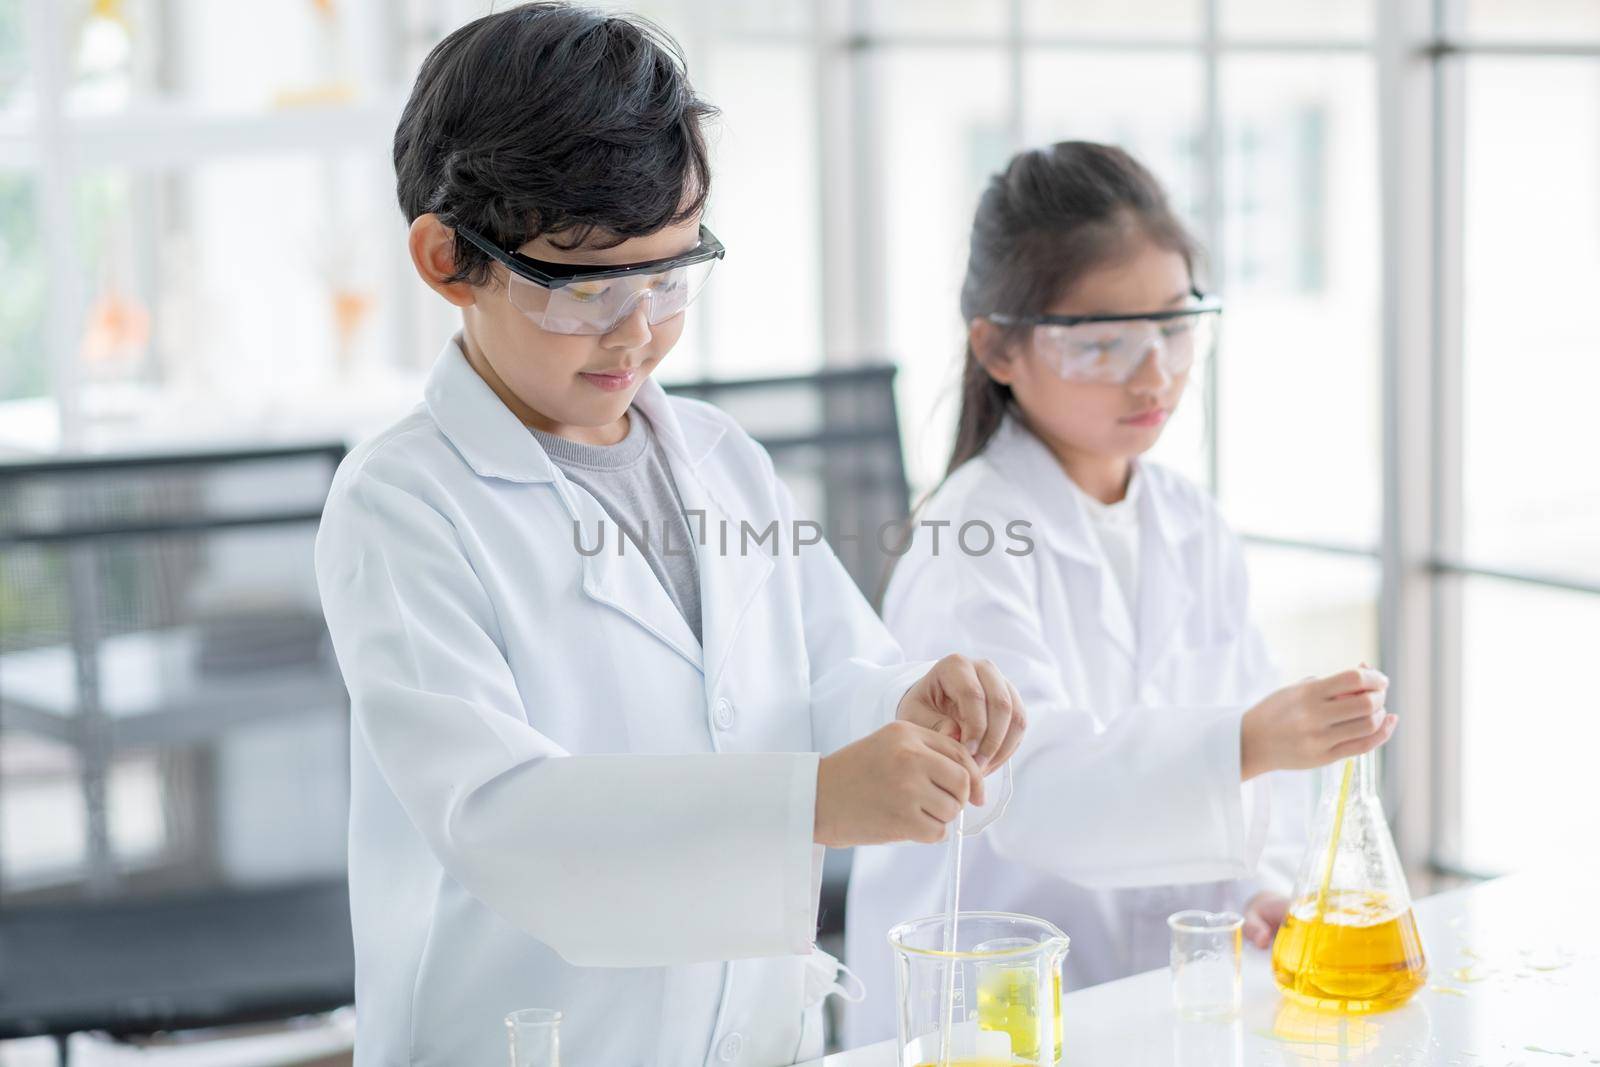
1000	990
535	1037
1206	950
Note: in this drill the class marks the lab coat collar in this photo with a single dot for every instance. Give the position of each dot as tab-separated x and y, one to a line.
729	578
1024	460
496	444
1166	519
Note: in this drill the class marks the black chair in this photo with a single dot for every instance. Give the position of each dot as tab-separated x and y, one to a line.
834	437
174	745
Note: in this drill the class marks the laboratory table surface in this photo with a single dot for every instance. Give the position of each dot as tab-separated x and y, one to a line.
1514	981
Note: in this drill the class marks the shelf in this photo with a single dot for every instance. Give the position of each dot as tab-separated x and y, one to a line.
160	135
172	135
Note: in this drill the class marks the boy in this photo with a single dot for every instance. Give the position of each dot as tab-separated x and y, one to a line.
588	779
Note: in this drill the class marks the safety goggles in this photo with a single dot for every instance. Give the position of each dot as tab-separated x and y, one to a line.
1110	349
580	298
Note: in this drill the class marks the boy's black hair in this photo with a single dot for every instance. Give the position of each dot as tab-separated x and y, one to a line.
549	119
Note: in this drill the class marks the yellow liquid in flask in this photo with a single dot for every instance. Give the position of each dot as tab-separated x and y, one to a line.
1363	955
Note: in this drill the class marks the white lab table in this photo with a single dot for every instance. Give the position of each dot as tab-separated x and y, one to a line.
1514	981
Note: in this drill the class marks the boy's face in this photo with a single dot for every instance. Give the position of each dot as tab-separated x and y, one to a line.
575	385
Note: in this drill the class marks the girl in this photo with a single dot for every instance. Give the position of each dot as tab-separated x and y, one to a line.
1144	787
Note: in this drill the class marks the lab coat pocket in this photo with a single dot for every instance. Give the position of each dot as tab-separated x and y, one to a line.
1206	670
825	976
1208	625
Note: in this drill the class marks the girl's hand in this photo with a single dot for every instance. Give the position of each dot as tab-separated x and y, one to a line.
900	783
1262	917
1315	722
970	701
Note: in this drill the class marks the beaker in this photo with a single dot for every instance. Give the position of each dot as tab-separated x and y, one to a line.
1001	987
535	1037
1206	946
1349	943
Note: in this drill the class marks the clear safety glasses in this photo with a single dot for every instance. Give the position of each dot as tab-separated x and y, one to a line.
579	298
1110	349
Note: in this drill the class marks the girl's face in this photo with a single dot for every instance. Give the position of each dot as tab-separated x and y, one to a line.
575	385
1102	421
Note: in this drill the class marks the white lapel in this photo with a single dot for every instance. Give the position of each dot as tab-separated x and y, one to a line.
1167	523
731	572
495	444
619	576
1116	614
1026	461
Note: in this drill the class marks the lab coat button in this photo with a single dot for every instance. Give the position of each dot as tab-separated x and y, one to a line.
723	714
730	1048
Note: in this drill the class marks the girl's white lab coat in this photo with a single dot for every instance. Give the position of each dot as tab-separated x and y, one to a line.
1127	787
559	798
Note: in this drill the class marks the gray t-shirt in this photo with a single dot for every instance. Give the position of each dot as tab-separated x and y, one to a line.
633	483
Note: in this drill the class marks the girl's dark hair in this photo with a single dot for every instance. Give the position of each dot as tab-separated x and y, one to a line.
1042	223
552	119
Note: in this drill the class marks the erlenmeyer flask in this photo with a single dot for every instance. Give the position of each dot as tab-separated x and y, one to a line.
1349	943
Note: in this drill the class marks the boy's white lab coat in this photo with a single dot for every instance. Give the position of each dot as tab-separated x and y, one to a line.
1127	786
558	798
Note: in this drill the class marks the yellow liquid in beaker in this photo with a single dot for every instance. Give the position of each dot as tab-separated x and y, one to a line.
1361	956
1008	1003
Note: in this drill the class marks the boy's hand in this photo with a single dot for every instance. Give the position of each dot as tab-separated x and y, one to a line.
972	702
1262	917
1315	722
901	783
